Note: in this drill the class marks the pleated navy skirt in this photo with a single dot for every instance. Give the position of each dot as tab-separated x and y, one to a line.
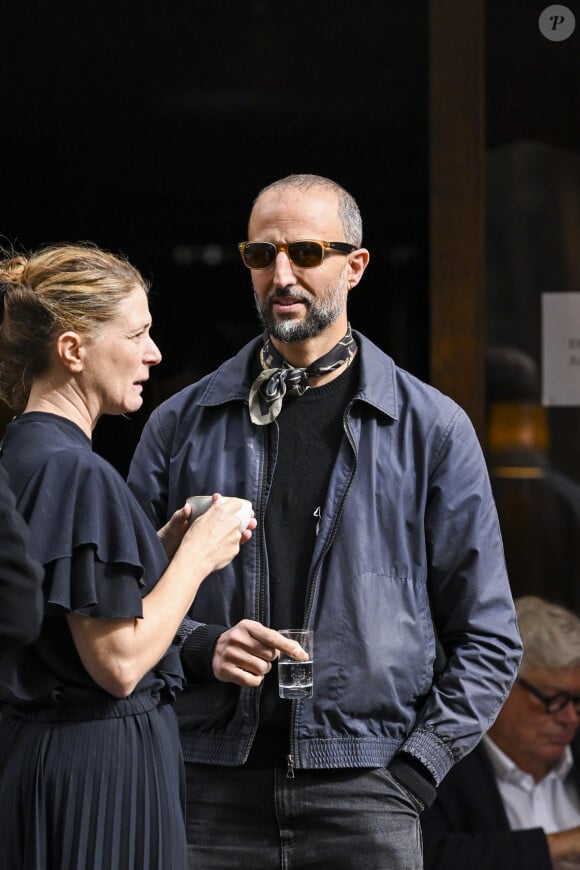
104	794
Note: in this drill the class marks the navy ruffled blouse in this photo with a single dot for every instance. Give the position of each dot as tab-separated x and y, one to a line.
101	557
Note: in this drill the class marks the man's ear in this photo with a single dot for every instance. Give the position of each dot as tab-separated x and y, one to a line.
358	261
71	350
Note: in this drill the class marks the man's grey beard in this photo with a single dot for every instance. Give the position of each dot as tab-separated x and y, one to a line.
321	313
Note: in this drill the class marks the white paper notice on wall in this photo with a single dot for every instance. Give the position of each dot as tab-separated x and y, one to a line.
561	348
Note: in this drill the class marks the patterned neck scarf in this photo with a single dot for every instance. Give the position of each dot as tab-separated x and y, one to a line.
279	377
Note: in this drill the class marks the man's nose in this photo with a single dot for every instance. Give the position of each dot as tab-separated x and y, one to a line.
283	272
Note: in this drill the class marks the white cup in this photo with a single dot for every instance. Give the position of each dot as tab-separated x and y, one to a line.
201	503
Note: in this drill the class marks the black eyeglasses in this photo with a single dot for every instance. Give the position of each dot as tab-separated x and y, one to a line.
552	703
306	254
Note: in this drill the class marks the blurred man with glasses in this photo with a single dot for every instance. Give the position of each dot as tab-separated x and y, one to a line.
514	802
376	529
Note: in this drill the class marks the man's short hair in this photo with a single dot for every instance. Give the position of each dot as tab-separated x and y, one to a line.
348	210
550	634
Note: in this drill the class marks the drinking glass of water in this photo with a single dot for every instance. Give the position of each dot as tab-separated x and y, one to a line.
294	676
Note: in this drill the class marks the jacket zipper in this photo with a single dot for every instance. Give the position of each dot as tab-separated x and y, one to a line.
260	615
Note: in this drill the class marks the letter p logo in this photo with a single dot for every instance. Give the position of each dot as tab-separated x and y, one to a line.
557	23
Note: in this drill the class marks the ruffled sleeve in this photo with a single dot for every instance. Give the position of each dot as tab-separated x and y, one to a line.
100	553
86	585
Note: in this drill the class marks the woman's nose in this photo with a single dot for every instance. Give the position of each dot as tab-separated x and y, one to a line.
153	354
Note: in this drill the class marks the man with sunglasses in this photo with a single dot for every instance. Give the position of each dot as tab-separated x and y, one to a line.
376	529
514	802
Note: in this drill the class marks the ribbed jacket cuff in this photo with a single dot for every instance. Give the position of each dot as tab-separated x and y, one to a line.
415	777
197	651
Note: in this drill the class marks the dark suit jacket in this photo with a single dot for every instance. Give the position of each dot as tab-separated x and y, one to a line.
21	602
466	828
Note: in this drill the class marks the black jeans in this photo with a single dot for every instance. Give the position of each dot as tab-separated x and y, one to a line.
240	819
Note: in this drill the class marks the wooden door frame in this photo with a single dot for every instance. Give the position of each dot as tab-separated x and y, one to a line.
456	212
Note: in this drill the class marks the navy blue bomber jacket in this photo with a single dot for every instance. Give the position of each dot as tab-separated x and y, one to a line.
416	638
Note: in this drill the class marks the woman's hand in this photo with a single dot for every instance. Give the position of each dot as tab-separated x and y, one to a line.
172	532
215	537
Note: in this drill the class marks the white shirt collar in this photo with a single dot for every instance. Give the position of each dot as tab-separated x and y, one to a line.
507	770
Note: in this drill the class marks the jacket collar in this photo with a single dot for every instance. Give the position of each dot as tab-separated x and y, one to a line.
378	377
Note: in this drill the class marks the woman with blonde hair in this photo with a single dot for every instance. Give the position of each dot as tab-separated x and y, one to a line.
91	772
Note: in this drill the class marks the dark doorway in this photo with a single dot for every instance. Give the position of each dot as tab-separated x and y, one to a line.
149	127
